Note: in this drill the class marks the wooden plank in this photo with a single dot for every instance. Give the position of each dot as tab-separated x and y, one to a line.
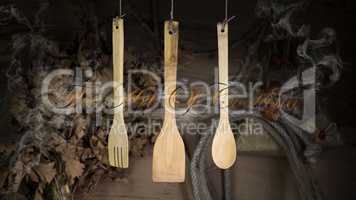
139	185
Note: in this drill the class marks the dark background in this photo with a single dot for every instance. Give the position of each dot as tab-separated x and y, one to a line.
198	18
197	23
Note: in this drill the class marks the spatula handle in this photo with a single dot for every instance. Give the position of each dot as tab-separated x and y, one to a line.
171	36
223	42
118	64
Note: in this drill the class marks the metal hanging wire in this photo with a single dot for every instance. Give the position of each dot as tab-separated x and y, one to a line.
226	9
172	10
171	16
227	19
120	9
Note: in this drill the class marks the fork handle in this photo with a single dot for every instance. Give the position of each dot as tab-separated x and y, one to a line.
171	36
118	64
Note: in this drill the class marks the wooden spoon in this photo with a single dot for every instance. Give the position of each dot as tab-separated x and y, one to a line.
169	152
224	146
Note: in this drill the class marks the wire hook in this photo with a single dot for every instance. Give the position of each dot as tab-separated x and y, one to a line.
172	10
227	19
171	31
120	10
226	9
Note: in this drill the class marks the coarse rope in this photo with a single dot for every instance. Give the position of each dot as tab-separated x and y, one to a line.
287	140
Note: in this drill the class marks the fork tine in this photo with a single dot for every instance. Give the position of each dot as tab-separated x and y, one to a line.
127	156
122	157
115	163
116	157
119	149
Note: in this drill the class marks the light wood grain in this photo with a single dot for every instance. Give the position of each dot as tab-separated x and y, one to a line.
118	147
224	145
169	153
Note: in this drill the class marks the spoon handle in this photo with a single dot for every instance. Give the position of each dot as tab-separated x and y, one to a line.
223	38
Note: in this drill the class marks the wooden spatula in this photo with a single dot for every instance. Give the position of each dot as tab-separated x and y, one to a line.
224	146
118	145
168	153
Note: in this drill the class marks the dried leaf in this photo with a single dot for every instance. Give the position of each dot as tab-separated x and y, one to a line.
18	173
7	148
38	195
46	171
74	168
4	173
271	113
138	144
80	129
34	177
101	134
87	154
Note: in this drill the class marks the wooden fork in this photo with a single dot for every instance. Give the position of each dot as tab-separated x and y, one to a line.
118	145
168	152
224	146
